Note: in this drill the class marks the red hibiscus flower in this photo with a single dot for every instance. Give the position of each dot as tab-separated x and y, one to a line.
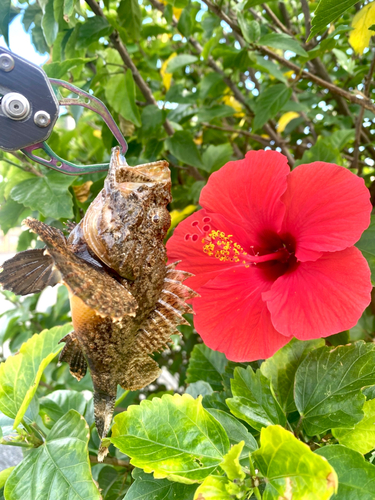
272	253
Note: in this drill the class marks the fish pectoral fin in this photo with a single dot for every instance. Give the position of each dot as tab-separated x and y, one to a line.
97	289
72	354
30	271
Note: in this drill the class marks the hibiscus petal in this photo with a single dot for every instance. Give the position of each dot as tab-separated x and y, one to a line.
247	192
322	297
327	209
232	318
186	245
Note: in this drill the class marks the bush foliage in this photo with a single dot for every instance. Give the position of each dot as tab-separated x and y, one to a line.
199	84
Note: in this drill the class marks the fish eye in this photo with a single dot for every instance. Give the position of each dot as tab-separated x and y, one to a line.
156	218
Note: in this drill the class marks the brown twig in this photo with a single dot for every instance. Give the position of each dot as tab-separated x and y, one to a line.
306	17
300	73
255	137
359	121
112	461
26	166
284	13
237	93
139	81
275	19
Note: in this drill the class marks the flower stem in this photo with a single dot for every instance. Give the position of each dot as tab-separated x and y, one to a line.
121	398
254	477
298	426
16	443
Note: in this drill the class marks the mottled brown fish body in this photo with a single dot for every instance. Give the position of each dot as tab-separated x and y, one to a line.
125	301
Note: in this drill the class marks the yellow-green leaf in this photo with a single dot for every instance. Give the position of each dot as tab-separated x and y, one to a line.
359	37
291	469
213	488
231	463
362	437
174	437
20	374
4	474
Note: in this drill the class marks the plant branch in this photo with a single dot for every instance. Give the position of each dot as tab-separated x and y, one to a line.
306	17
26	167
255	137
275	19
237	93
141	84
121	49
359	121
356	98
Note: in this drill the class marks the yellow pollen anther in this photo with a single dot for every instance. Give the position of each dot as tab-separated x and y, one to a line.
217	244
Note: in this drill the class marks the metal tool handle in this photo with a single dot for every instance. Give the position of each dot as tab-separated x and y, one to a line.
89	101
59	164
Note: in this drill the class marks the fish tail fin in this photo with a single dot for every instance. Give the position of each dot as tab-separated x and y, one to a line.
104	405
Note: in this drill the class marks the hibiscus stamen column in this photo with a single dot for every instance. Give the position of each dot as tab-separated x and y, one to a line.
217	244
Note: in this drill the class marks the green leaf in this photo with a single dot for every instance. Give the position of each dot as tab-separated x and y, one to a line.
214	488
272	69
112	483
199	388
356	476
130	16
5	19
29	15
254	401
283	42
269	103
328	386
48	194
236	432
340	138
179	62
57	403
185	23
91	30
231	463
281	368
182	146
145	487
172	436
49	25
152	119
208	365
120	93
323	150
250	29
206	114
367	246
58	69
4	474
216	156
362	437
68	7
327	12
20	374
291	469
10	214
61	465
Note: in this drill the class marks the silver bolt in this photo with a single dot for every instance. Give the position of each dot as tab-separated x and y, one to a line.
6	62
15	106
42	119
